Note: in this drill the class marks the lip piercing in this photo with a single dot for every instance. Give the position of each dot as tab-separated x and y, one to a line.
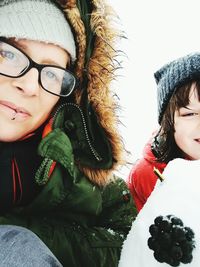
14	116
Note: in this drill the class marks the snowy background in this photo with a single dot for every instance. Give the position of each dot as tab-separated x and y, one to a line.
158	31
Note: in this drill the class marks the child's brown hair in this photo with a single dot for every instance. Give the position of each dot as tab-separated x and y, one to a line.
164	145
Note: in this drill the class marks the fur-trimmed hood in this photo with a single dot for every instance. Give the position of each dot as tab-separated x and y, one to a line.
92	107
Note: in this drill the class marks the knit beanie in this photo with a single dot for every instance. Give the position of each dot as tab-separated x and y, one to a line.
173	75
39	20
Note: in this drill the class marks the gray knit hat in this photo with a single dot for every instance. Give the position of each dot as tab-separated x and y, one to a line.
173	75
40	20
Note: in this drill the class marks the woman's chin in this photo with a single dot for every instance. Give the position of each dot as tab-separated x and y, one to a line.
8	139
12	130
11	134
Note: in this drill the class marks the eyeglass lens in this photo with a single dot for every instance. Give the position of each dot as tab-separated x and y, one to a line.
14	63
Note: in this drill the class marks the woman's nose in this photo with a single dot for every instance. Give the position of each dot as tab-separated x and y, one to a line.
28	84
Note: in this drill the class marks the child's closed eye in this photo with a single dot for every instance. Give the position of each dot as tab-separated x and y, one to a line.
189	114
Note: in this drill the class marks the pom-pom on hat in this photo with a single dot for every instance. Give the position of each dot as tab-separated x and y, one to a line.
39	20
173	75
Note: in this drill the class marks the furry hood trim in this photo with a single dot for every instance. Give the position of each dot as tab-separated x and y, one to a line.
95	37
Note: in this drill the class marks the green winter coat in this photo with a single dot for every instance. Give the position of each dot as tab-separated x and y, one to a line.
83	224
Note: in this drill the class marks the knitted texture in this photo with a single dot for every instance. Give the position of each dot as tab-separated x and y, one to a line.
40	20
173	75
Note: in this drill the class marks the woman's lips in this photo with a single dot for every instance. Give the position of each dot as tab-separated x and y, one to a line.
14	111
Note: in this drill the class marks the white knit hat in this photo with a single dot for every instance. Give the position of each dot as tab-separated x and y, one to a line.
39	20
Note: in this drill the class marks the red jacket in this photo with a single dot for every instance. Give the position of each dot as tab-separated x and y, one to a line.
142	179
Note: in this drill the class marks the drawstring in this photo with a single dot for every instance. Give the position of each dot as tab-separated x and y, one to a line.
43	173
16	180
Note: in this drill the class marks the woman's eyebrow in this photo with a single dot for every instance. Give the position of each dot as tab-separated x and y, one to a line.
51	62
12	41
25	47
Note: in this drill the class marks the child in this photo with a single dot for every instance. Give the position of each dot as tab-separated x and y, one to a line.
166	230
58	137
179	116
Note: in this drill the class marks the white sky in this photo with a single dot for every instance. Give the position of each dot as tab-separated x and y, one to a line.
158	31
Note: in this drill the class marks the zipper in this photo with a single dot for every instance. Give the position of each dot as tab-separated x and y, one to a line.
92	149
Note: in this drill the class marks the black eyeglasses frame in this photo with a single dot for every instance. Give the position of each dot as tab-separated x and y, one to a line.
39	67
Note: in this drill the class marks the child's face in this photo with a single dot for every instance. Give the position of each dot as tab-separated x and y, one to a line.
187	127
25	94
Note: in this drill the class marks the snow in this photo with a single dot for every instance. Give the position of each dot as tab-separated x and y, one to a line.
178	194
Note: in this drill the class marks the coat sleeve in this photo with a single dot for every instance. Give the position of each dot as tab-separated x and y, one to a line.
141	182
113	224
99	242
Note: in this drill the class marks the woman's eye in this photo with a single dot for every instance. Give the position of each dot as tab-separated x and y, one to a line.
51	75
7	54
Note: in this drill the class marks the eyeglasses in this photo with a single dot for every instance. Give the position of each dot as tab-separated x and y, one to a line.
15	63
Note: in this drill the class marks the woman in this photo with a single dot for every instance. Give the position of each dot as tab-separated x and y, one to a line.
59	144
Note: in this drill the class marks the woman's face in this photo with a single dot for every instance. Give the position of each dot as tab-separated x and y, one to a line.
23	98
187	127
